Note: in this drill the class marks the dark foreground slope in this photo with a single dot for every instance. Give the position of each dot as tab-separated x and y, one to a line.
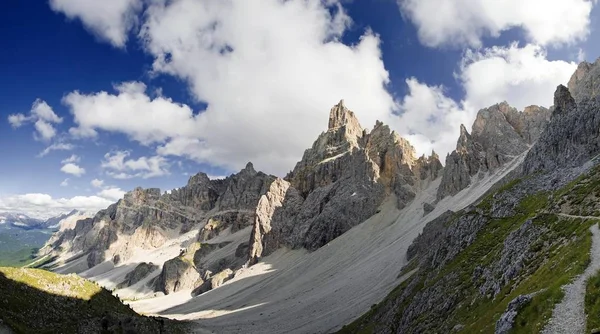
38	301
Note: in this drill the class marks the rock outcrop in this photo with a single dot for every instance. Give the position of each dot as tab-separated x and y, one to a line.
499	134
140	272
340	182
213	282
177	274
506	322
144	218
571	138
584	83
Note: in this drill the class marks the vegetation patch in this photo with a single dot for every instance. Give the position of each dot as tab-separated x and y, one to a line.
592	303
557	253
38	301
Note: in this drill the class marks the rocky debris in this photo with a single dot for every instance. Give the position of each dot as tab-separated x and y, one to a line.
584	82
427	208
177	274
200	250
505	324
500	133
140	272
213	282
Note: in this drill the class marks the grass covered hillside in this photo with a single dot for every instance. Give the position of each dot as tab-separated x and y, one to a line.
38	301
498	266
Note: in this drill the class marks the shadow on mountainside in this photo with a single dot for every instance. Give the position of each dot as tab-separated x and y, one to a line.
42	302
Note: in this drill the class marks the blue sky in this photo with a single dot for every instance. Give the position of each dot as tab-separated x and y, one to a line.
140	92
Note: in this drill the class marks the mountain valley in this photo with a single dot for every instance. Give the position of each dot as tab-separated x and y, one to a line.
363	236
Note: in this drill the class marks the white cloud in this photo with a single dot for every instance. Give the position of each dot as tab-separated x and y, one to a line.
72	158
97	183
17	120
131	112
110	20
256	76
44	206
73	169
45	130
112	193
42	115
465	22
520	76
580	55
64	183
56	147
119	166
43	111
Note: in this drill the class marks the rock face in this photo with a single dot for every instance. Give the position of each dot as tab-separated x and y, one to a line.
506	322
340	182
144	218
571	138
140	272
584	82
177	274
499	134
214	281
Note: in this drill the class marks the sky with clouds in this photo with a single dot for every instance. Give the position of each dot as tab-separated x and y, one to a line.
100	97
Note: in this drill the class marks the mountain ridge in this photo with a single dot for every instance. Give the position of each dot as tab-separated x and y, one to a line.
213	234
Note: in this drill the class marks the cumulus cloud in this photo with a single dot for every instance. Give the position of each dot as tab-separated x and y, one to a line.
131	112
64	183
268	84
73	169
112	193
522	76
43	117
97	183
56	147
73	158
119	166
110	20
465	22
45	206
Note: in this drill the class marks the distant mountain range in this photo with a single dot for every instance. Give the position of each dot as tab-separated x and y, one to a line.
25	222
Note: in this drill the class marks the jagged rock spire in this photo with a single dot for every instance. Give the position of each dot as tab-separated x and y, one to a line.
340	116
563	101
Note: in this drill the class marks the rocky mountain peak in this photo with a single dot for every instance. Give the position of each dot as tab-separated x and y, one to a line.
340	116
499	134
198	179
249	169
584	83
141	196
572	137
463	139
563	101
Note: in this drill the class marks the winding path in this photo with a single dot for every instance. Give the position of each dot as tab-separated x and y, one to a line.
568	316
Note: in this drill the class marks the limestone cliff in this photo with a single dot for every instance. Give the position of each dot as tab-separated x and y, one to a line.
499	134
340	181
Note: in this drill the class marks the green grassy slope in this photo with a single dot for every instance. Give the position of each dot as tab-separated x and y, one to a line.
38	301
558	254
